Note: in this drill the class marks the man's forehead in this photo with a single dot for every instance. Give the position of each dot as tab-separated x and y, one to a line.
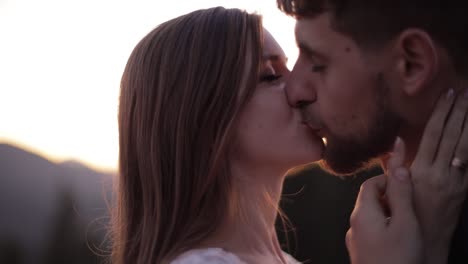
313	28
318	36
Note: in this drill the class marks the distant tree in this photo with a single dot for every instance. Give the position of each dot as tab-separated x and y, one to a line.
11	252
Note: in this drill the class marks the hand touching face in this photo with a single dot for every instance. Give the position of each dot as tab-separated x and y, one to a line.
398	219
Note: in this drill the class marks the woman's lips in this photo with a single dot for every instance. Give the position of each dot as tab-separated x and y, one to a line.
316	132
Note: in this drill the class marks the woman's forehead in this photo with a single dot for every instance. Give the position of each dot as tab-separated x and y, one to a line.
271	49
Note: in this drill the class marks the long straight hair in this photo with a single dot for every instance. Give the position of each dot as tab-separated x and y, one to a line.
181	91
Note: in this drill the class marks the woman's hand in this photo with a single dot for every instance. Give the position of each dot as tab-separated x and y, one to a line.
439	175
440	182
384	227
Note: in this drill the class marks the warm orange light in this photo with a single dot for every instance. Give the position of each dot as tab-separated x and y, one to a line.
60	80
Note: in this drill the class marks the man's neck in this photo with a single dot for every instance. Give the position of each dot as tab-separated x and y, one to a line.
412	134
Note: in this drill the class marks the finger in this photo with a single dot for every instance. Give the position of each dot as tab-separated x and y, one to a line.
452	131
433	131
461	153
399	193
349	239
397	157
368	210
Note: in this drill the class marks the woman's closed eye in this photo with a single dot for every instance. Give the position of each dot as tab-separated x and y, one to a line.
318	68
269	77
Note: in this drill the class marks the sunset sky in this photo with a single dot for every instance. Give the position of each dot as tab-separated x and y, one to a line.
61	63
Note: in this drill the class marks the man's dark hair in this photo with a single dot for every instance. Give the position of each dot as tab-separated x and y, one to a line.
371	23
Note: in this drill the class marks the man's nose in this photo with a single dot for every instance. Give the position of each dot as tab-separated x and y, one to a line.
300	92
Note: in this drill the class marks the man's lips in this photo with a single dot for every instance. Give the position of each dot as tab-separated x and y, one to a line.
316	130
319	132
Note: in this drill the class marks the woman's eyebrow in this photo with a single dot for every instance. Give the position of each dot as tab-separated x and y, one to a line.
274	57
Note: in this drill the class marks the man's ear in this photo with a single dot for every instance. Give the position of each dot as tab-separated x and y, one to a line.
416	60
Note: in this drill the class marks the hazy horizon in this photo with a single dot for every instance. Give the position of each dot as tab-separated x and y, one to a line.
58	160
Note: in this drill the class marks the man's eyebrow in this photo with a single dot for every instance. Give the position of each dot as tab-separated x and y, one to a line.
303	47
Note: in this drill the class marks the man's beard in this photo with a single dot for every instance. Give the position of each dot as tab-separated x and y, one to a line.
347	155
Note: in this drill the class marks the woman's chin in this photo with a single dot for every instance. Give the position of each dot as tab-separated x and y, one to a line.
301	164
299	167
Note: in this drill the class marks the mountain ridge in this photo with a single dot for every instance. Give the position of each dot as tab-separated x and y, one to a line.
33	189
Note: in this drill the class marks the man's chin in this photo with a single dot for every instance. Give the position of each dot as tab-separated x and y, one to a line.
348	157
346	168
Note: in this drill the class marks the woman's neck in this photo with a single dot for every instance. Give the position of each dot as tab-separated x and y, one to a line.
249	230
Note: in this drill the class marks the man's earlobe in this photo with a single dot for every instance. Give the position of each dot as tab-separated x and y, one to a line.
417	60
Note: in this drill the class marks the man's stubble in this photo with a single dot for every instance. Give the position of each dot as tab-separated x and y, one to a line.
347	155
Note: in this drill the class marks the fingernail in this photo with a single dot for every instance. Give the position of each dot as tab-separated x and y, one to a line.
450	93
396	144
401	174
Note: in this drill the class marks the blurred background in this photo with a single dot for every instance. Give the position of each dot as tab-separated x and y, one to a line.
61	63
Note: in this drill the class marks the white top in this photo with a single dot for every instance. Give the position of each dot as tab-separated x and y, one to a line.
216	256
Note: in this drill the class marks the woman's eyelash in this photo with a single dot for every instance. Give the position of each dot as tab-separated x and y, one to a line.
318	68
270	78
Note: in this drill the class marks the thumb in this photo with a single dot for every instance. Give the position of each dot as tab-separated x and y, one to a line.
399	195
368	212
397	157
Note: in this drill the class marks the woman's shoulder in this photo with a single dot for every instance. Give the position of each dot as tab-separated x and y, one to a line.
208	256
216	256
